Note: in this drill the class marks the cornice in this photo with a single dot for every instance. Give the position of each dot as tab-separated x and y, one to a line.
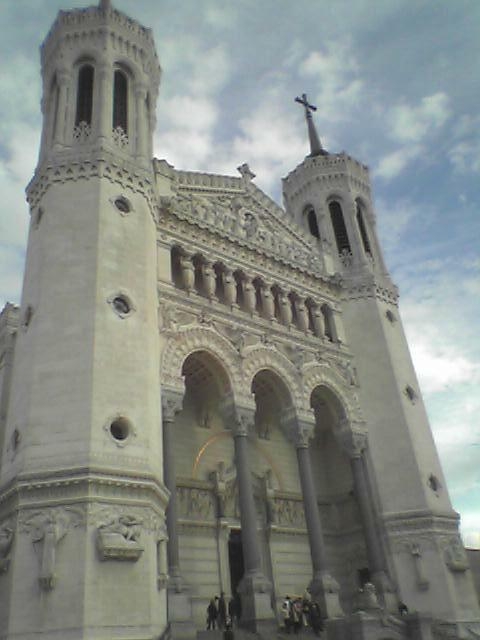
99	164
361	286
55	488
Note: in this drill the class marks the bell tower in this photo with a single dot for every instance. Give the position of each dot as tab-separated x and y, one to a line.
329	195
82	500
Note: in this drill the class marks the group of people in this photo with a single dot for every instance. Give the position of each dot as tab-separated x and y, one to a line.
300	613
221	616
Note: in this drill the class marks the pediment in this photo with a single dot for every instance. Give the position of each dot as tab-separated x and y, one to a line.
248	217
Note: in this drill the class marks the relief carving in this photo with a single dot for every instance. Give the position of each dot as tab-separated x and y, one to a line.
6	540
455	556
46	529
194	503
118	537
290	513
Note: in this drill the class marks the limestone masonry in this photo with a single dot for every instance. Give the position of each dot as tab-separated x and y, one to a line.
202	391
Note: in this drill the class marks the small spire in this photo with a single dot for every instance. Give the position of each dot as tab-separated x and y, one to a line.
105	5
316	148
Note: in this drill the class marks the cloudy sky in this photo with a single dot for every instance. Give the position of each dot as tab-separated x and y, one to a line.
396	83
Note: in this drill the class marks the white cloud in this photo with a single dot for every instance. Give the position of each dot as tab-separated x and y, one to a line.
337	75
414	123
392	164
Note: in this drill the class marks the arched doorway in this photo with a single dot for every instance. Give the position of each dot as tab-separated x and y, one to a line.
339	510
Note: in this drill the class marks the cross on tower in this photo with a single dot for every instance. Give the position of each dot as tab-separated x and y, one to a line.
308	107
316	148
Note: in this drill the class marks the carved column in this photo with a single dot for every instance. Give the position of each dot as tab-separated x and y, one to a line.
63	79
268	305
318	321
208	280
180	615
188	273
285	309
229	287
354	442
302	314
323	586
249	296
254	587
105	102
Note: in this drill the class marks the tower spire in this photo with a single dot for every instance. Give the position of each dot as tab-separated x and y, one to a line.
316	148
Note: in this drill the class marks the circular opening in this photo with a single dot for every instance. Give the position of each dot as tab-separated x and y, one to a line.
390	316
120	428
121	305
122	204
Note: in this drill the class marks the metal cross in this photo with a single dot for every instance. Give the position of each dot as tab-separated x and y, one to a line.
308	107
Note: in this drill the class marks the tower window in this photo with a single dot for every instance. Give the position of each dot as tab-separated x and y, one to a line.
339	228
120	101
84	95
363	230
312	222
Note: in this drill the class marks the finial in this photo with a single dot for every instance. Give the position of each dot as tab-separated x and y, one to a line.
316	148
245	171
105	5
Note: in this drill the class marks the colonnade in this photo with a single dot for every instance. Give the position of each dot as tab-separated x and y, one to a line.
255	588
254	295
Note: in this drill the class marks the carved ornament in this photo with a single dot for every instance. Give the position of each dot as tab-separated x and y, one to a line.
118	537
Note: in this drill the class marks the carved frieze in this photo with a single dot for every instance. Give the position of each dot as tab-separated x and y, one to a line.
194	503
290	512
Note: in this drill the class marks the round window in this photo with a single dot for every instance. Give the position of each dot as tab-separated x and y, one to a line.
122	204
120	428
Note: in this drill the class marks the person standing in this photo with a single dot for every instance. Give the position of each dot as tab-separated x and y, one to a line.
222	611
212	614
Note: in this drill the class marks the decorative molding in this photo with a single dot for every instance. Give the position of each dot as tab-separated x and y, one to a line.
7	533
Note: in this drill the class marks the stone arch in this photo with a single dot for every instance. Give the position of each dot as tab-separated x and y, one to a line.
265	358
324	376
187	341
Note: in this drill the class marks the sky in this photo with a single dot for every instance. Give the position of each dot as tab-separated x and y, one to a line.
396	84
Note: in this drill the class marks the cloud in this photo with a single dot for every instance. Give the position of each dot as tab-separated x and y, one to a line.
465	152
392	165
413	123
337	75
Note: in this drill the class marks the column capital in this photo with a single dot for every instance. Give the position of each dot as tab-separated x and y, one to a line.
299	428
352	437
239	418
172	403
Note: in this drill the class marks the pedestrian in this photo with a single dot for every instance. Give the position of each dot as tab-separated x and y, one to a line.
287	612
316	620
222	611
212	613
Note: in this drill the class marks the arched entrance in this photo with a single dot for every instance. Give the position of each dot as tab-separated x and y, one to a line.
339	510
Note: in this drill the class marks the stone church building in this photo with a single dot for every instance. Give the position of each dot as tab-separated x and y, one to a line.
204	392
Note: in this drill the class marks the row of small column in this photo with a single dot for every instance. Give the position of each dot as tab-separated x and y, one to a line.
236	289
255	585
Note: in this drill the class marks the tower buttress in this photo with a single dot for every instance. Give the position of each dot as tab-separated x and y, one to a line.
81	481
329	195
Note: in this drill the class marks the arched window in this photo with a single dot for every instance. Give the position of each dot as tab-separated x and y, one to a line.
120	101
363	230
339	228
85	95
312	221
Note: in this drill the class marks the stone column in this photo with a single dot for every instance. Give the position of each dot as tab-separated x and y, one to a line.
249	296
63	79
268	305
302	314
141	122
229	288
255	589
285	308
354	442
208	280
105	102
323	587
318	321
180	615
188	273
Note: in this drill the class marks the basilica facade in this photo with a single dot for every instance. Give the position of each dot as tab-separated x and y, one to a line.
205	392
